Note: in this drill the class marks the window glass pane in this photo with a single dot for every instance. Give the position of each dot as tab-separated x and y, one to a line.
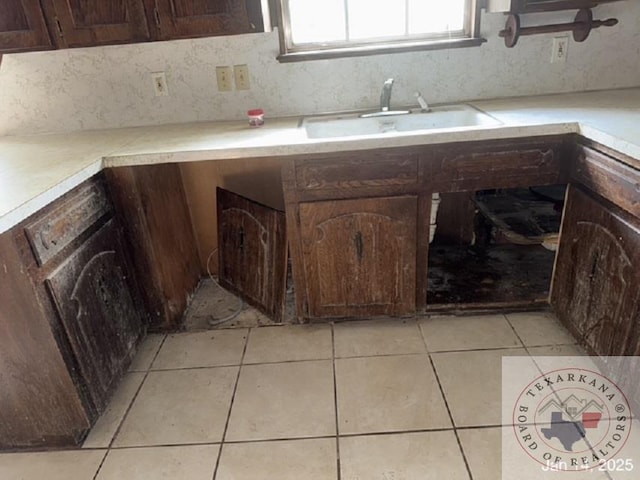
313	21
433	16
377	18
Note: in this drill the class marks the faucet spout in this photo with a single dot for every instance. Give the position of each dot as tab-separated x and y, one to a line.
385	96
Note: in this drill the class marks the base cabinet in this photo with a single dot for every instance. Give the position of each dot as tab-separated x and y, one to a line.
70	319
595	289
595	292
360	256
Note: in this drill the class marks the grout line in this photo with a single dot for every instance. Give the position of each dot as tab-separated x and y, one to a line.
126	413
233	397
135	396
335	400
446	404
104	458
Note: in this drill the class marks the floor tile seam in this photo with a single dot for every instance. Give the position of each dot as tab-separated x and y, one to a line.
135	396
240	364
396	432
233	396
446	404
164	445
335	402
387	355
104	458
491	349
453	423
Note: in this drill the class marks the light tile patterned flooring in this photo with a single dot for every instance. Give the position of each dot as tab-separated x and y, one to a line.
411	399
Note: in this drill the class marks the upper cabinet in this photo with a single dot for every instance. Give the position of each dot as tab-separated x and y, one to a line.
45	24
83	23
533	6
23	27
174	19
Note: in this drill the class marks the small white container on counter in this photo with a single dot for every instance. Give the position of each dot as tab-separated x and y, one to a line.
256	117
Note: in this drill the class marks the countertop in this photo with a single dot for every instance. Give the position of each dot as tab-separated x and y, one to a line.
35	170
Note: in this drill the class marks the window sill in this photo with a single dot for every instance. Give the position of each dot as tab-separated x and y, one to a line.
360	51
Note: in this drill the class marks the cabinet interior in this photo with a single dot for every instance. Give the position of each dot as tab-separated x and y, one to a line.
493	246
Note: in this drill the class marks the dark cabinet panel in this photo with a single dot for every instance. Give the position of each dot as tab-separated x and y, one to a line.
152	207
609	178
534	6
252	248
39	402
83	23
501	164
23	27
595	289
198	18
97	310
359	256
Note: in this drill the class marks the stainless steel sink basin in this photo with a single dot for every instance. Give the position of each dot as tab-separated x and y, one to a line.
452	116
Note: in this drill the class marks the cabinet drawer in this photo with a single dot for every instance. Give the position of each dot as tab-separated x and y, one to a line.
609	178
482	167
52	233
358	171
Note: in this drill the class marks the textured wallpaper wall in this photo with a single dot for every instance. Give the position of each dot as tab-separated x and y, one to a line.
107	87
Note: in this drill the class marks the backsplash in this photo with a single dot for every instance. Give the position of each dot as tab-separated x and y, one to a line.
110	87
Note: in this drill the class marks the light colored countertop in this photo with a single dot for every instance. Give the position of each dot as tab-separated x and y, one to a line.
35	170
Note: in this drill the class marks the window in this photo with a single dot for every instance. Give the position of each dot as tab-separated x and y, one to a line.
337	28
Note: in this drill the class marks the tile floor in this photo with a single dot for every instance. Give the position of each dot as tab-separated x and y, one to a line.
415	399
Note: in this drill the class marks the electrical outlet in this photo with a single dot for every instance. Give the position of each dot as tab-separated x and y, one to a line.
160	84
560	50
241	74
223	74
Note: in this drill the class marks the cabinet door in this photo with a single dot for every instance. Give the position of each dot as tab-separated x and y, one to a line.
198	18
102	321
252	248
22	27
360	256
595	289
85	23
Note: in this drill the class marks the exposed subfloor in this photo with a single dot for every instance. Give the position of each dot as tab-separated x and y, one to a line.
214	307
496	274
414	399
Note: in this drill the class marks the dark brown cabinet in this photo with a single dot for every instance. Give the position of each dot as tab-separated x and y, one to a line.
70	316
198	18
46	24
355	235
252	252
596	291
85	23
597	275
102	322
360	256
23	27
151	205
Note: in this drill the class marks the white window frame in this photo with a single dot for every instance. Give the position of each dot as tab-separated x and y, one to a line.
290	52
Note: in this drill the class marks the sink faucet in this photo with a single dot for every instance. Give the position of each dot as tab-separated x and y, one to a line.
385	103
385	96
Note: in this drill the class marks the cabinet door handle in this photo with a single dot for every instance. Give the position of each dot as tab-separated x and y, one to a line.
241	239
359	245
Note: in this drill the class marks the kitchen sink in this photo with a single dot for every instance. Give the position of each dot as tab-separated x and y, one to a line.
451	116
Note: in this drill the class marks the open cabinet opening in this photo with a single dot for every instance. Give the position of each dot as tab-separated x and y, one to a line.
493	247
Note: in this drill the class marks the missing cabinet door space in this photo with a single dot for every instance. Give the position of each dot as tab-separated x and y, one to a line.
494	247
